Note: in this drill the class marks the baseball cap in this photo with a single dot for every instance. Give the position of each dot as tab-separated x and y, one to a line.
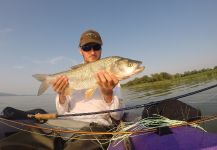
90	36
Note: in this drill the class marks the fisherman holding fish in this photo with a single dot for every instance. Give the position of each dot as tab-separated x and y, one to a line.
91	87
106	97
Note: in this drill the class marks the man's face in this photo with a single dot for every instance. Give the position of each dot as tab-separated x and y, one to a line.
91	52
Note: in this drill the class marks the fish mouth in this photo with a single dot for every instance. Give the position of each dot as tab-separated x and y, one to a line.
138	69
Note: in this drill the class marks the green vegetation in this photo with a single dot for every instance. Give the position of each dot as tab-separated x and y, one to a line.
165	79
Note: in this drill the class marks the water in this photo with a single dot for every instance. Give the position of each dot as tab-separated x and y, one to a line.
205	101
46	102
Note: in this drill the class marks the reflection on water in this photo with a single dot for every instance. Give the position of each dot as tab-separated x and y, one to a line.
153	92
205	101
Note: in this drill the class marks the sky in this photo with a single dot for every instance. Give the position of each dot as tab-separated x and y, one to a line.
42	36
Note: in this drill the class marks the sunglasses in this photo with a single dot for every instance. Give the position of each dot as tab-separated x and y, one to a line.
95	47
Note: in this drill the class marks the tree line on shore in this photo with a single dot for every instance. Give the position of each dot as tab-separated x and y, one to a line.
165	76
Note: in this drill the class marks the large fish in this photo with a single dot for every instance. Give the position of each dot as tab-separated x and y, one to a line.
82	76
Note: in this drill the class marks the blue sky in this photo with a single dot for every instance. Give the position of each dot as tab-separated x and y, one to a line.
41	36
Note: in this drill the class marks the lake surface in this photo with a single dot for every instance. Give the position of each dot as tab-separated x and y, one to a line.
205	101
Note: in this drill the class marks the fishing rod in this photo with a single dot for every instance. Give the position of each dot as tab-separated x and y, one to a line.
59	130
53	116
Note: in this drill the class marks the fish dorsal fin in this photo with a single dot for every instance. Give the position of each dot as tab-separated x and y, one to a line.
77	66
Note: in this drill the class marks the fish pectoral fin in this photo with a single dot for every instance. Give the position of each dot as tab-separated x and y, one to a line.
68	91
89	93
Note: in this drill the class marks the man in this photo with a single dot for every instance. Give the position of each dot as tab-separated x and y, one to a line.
106	97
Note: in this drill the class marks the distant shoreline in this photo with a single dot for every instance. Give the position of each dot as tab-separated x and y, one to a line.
11	94
162	79
7	94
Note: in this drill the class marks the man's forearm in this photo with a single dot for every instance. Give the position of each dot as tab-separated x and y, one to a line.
107	95
62	98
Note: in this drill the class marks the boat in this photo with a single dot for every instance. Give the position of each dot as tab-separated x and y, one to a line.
22	133
178	138
14	120
183	135
169	125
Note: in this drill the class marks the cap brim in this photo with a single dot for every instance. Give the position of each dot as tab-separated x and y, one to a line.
90	41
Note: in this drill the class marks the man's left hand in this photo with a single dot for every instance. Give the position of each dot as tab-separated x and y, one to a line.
107	82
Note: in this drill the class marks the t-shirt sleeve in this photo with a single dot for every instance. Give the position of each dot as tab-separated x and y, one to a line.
62	108
117	103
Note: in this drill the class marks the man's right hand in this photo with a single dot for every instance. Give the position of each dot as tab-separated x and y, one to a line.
59	86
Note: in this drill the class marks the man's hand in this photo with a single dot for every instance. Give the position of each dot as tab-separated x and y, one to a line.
59	86
107	82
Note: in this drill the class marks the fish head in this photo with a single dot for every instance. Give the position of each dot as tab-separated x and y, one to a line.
124	68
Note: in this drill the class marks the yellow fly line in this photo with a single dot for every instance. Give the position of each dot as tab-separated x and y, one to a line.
153	129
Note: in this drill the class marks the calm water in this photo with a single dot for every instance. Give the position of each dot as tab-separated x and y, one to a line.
205	101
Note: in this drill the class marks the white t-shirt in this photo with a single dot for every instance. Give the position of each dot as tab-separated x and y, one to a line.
78	104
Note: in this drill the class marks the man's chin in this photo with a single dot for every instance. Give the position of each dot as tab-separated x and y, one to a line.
93	59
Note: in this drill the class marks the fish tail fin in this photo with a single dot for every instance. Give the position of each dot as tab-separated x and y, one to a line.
45	82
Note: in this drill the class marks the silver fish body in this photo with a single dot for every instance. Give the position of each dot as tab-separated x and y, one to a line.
82	76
